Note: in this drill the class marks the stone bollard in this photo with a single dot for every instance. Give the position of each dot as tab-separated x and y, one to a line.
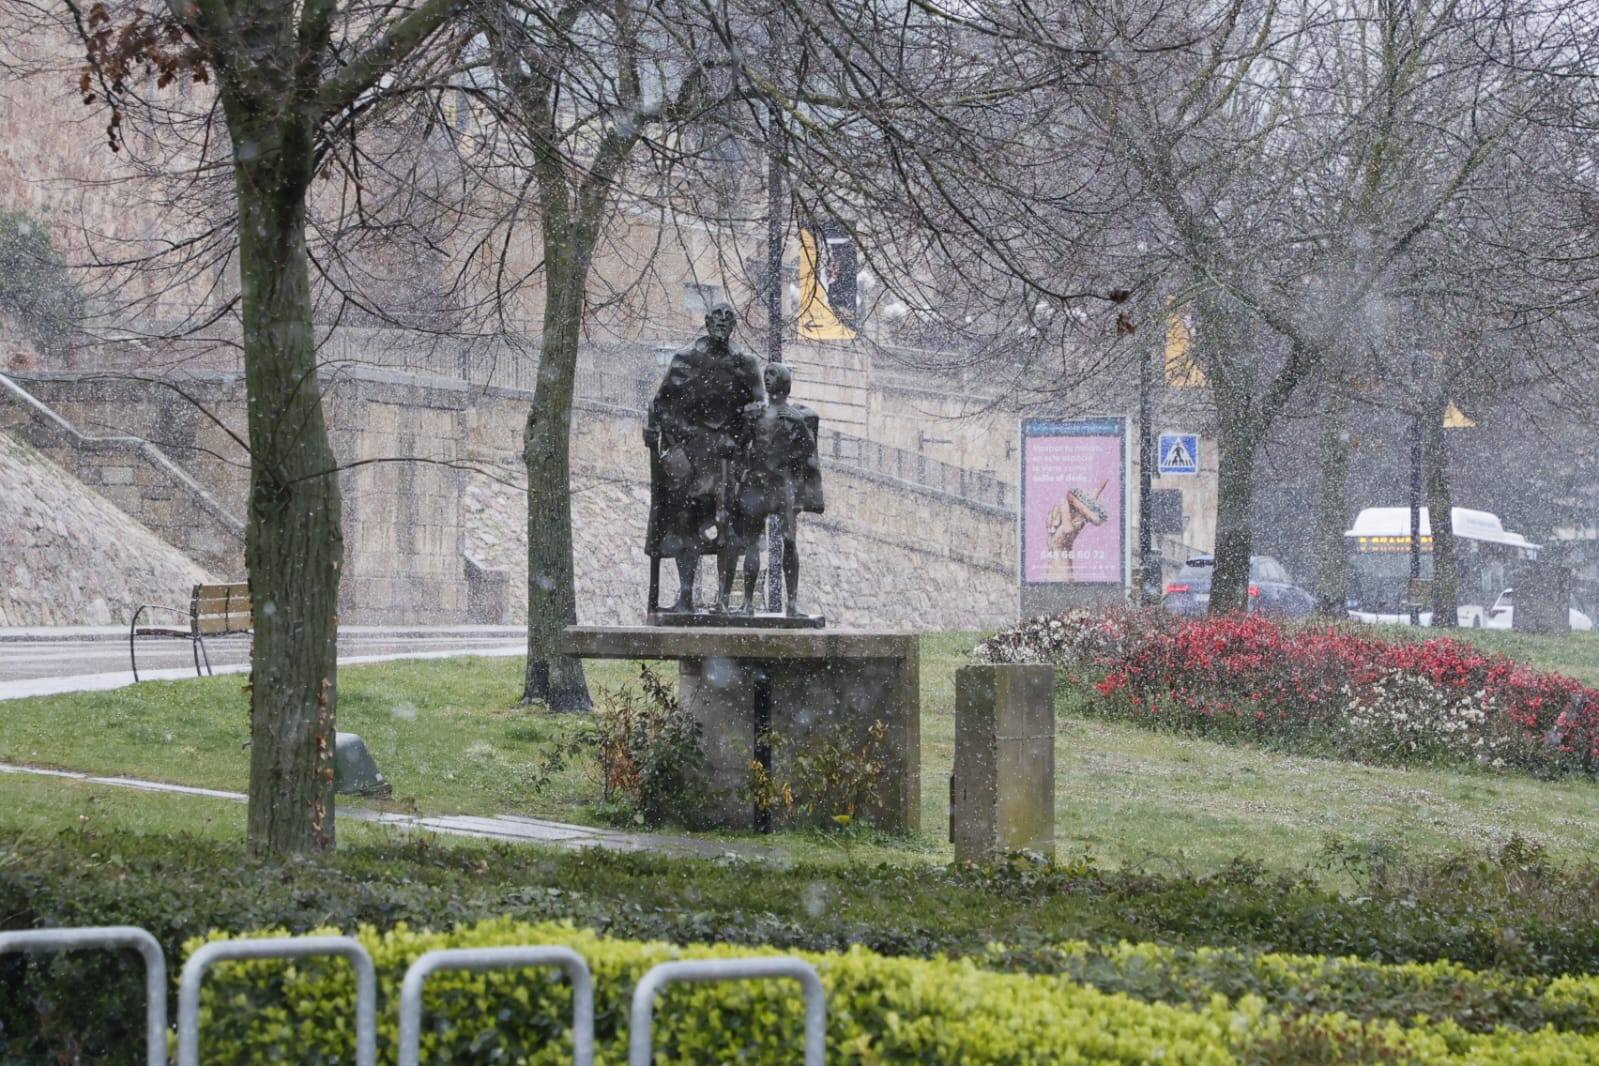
1002	794
355	772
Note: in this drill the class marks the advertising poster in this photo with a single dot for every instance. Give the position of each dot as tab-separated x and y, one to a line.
827	283
1074	513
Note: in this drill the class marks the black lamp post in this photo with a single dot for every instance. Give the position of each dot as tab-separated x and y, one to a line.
775	212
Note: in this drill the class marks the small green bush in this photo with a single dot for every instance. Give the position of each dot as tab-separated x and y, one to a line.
37	289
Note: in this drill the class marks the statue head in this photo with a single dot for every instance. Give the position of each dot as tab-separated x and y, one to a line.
779	380
719	321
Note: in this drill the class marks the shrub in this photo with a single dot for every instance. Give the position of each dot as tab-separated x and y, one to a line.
827	779
1507	916
1249	678
37	288
648	754
880	1010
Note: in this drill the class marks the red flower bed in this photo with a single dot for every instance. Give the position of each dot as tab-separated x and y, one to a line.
1338	691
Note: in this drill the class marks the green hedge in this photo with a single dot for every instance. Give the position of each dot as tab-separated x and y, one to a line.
1509	918
1479	1001
880	1010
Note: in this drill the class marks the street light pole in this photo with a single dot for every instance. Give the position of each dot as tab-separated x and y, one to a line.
775	215
1146	464
1415	519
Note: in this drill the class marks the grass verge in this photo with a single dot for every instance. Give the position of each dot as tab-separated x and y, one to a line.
449	736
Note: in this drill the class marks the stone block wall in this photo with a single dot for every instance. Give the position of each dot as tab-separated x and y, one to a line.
402	529
124	473
887	554
403	538
68	556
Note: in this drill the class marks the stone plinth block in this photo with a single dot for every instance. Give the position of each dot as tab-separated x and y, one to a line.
807	687
1002	794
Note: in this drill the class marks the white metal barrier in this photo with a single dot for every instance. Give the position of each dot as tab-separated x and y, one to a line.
641	1025
366	985
112	938
640	1028
569	961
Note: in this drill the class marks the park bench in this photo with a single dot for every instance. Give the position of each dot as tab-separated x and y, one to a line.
214	611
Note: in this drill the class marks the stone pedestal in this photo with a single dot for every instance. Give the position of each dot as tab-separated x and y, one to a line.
1542	596
1002	793
806	687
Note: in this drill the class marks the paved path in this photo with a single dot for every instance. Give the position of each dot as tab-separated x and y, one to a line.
35	662
508	827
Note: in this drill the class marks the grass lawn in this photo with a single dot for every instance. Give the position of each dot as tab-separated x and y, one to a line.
1576	655
447	733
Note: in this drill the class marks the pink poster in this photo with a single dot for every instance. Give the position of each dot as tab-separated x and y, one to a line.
1073	493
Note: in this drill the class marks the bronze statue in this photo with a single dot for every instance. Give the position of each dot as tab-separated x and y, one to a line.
779	478
695	432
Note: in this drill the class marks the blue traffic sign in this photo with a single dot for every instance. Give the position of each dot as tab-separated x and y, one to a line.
1179	453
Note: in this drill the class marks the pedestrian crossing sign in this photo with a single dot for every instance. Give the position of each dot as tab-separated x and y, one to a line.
1179	453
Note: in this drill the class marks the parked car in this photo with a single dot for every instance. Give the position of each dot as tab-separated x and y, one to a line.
1271	590
1467	616
1502	615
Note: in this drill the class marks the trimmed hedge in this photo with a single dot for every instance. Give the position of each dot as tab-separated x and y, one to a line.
880	1010
1479	1001
1507	917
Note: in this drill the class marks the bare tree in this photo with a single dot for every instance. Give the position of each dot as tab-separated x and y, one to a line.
1302	168
290	78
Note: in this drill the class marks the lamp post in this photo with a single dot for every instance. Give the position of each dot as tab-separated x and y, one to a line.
1415	518
774	316
1146	464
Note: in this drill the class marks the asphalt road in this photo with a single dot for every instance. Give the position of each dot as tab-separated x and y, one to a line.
41	664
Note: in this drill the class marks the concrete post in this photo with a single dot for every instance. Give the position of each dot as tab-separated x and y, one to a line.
1002	794
1542	596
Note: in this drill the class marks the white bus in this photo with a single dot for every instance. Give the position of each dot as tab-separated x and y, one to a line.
1379	563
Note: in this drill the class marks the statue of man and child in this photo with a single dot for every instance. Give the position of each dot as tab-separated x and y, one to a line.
728	451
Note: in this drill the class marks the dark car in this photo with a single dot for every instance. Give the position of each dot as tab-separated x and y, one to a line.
1271	590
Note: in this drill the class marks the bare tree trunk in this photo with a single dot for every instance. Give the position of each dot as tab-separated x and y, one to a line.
1440	510
294	542
1332	554
1235	490
553	678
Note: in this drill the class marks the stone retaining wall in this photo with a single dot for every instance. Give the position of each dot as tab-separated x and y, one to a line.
68	556
886	553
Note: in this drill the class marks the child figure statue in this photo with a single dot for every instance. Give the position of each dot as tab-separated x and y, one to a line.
780	477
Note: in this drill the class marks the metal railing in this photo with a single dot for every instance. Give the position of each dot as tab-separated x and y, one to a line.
288	947
112	938
566	959
641	1025
153	454
976	486
618	388
641	1033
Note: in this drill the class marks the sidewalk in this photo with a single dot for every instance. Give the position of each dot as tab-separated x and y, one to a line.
53	634
104	682
40	662
507	827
